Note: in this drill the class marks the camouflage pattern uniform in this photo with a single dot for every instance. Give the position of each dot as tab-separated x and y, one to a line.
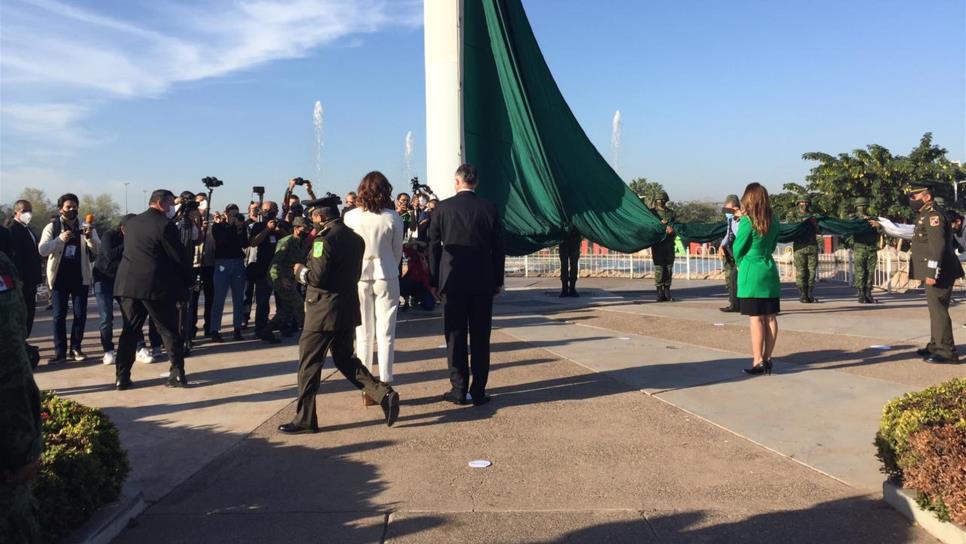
865	254
569	258
806	250
662	253
289	303
20	424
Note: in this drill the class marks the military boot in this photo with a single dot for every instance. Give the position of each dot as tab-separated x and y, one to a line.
564	291
667	294
811	295
862	296
804	295
661	297
868	296
573	289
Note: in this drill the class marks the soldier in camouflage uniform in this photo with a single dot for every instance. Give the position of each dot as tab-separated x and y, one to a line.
569	257
806	249
289	305
20	426
662	253
865	252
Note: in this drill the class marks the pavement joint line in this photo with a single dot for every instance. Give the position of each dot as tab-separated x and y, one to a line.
669	403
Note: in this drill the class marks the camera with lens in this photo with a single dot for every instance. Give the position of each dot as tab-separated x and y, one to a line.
420	189
300	181
211	182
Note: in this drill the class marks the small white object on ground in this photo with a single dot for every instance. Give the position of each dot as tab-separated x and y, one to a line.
881	347
480	463
624	338
719	324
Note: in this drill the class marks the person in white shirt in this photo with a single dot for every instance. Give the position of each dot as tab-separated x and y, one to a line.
382	228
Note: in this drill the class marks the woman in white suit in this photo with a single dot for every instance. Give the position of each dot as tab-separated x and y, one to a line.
375	220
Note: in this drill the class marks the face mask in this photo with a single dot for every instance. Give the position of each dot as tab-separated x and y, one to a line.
318	226
203	205
297	210
25	217
70	215
916	205
171	211
730	216
860	210
177	207
269	215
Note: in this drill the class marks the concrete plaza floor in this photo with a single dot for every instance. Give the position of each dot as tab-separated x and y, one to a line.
613	418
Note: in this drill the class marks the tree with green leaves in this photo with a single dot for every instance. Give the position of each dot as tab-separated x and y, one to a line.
42	207
694	211
875	173
645	189
103	208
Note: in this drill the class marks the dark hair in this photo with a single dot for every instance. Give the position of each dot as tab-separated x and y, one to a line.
757	206
401	194
467	173
187	195
351	193
18	206
375	192
159	195
65	197
232	206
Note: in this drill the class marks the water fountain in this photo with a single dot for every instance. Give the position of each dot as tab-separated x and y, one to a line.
317	117
616	130
408	156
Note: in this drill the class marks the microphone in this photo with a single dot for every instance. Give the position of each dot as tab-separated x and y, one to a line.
88	223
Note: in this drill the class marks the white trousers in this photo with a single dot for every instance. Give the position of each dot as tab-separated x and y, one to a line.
379	300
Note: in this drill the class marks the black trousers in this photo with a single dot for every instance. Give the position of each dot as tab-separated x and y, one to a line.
263	295
468	313
30	299
313	345
207	274
940	326
164	314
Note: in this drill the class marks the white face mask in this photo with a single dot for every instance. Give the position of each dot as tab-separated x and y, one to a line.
203	205
25	217
171	211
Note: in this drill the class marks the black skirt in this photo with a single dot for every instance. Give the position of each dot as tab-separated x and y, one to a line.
759	306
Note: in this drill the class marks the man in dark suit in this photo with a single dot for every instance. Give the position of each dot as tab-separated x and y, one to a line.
151	278
332	312
466	268
23	243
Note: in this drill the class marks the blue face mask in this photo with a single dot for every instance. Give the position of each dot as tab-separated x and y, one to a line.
730	216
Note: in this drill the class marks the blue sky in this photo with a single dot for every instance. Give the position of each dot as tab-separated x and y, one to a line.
712	94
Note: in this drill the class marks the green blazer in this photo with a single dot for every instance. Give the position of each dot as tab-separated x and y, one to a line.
757	272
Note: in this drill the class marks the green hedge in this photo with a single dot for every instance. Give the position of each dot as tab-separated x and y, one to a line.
910	435
83	469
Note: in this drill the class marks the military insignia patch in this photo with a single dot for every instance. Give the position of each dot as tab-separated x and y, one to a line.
317	249
934	221
7	283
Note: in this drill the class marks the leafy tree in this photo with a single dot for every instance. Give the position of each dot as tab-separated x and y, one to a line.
42	207
694	211
881	177
103	208
646	189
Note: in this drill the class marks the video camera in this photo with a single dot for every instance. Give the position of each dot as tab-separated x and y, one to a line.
211	182
420	189
301	181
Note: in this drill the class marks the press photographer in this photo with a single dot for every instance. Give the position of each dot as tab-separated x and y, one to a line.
291	206
231	238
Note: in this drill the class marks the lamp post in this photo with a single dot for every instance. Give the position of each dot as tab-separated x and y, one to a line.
125	197
145	197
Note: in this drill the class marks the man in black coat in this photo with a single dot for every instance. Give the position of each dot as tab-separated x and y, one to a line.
332	312
23	242
151	278
466	268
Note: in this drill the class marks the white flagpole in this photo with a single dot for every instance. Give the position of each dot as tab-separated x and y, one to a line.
442	27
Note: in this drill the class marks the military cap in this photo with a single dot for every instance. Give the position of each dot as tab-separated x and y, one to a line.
804	198
732	199
861	201
328	204
916	187
662	196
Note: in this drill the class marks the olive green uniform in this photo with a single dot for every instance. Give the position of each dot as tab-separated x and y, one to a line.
662	254
569	257
20	426
865	258
289	304
933	258
806	253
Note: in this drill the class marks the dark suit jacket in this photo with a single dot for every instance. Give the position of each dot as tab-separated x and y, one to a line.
153	266
466	245
332	283
25	254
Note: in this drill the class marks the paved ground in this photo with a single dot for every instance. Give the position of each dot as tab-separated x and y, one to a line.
613	418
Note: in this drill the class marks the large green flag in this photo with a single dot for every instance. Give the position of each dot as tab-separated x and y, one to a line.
534	160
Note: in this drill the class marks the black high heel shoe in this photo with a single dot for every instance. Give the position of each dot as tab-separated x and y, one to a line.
756	370
767	364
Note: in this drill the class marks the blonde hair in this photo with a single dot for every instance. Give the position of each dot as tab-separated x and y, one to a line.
757	206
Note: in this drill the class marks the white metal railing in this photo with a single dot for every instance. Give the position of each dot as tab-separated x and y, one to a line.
892	271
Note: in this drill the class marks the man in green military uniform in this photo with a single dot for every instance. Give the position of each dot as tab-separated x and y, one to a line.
806	249
865	252
20	425
289	305
934	262
662	253
569	257
332	313
732	211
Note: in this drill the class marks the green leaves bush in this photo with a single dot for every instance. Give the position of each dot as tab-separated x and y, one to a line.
83	469
920	443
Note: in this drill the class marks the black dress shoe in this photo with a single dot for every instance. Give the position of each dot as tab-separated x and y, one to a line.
216	337
57	359
481	400
728	309
940	360
176	381
291	428
390	407
923	352
238	335
123	383
451	397
269	337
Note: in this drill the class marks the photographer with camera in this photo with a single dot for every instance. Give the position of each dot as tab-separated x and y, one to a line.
405	211
230	233
187	220
291	206
265	235
70	246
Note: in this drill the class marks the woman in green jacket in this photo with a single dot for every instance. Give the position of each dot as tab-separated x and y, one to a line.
759	288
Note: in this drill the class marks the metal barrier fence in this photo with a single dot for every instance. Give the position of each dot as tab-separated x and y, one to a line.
890	274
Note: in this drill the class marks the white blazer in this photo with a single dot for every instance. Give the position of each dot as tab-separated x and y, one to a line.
383	233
